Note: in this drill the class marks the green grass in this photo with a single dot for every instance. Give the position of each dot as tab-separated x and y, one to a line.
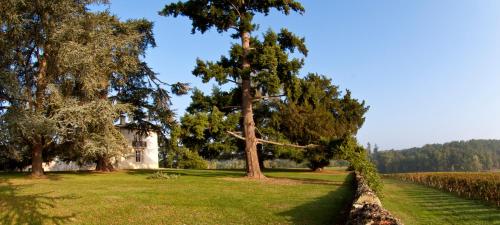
417	204
196	197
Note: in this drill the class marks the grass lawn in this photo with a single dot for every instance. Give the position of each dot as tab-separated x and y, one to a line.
196	197
417	204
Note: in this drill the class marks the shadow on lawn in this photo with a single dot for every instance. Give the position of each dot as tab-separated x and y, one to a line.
332	208
17	208
446	204
189	172
238	173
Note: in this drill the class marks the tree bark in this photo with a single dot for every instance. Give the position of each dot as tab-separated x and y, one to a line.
252	161
36	161
103	164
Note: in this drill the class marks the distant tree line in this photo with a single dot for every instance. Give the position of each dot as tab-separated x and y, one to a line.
473	155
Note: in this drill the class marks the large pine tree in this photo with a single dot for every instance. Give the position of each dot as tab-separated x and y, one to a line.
258	68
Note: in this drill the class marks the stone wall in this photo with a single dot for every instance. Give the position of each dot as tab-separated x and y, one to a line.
367	208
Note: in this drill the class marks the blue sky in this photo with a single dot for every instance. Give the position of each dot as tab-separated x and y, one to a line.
429	70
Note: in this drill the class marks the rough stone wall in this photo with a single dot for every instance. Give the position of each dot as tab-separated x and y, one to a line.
367	208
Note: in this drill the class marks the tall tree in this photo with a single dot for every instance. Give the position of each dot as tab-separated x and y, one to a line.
258	68
58	63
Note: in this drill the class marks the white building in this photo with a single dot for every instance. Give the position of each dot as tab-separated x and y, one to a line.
142	153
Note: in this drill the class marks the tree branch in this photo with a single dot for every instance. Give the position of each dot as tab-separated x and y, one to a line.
233	81
234	134
267	97
231	107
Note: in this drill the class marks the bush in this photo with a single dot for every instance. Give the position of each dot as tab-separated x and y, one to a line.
318	157
349	150
191	160
227	164
161	175
283	163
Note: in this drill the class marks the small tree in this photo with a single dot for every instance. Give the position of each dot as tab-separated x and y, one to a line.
258	68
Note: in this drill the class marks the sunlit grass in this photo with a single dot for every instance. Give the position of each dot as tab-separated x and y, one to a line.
196	197
416	204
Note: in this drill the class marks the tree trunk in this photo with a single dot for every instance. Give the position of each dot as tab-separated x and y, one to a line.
319	169
165	163
37	148
252	161
103	164
36	161
260	155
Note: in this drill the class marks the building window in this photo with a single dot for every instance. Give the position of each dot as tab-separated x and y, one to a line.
138	142
138	155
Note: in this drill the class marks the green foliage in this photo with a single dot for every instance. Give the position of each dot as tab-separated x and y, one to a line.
269	62
259	67
473	155
225	15
348	149
85	137
190	160
57	59
58	63
205	131
163	175
319	110
271	68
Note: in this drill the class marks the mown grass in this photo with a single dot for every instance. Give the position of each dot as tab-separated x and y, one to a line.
196	197
416	204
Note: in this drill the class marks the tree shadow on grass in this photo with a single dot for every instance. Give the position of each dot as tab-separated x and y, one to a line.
297	180
17	208
286	170
188	172
332	208
447	205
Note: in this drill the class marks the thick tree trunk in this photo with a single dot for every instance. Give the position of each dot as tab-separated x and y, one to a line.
319	169
103	164
36	161
37	148
252	161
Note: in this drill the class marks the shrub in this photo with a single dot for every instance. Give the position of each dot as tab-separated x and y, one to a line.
161	175
191	160
348	149
283	163
227	164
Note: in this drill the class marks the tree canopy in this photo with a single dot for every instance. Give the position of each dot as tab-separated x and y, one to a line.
257	67
59	63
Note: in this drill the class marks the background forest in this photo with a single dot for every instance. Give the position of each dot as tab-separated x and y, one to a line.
473	155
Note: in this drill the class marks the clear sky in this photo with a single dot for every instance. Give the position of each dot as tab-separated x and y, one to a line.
429	70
